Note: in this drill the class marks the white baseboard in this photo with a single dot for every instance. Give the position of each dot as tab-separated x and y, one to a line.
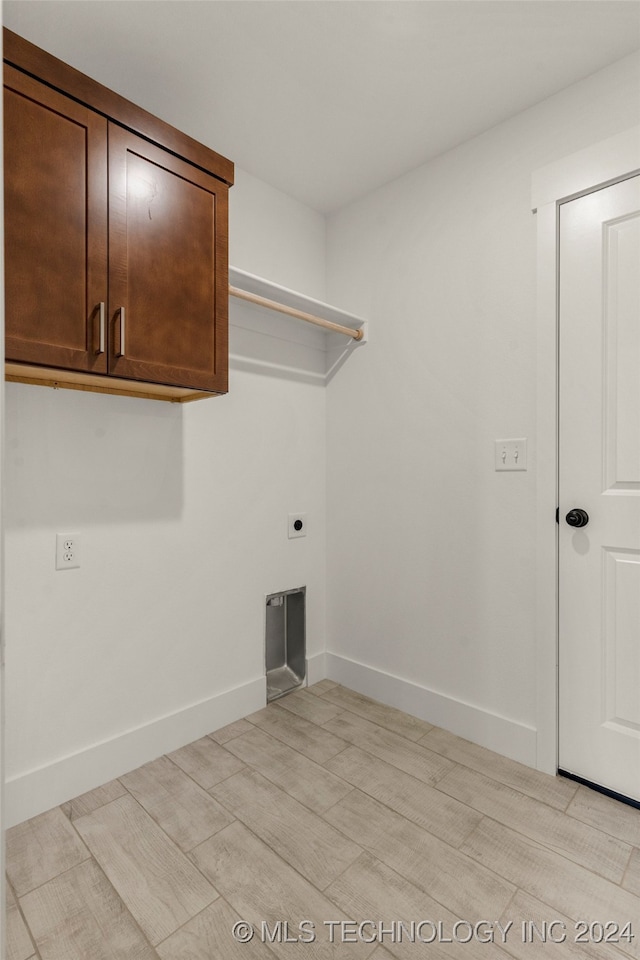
316	668
31	793
508	737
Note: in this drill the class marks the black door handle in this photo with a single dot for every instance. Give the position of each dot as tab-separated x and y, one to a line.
577	517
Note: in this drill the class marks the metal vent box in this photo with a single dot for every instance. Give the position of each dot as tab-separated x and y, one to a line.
285	642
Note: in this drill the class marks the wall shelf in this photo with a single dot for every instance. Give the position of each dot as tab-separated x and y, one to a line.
297	304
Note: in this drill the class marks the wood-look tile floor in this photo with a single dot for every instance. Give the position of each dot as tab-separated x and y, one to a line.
381	835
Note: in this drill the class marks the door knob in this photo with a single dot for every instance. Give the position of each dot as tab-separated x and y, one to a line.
577	517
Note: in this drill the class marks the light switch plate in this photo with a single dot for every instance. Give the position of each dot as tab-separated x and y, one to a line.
511	454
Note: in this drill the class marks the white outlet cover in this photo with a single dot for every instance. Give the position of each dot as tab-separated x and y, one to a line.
297	519
67	551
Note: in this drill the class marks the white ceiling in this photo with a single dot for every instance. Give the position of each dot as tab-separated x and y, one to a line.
328	99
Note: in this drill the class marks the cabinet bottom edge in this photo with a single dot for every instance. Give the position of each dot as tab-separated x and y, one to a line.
69	380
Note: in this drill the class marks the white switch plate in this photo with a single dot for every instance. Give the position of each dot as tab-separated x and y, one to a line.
67	551
297	525
511	454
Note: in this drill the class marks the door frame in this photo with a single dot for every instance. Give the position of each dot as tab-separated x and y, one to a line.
601	165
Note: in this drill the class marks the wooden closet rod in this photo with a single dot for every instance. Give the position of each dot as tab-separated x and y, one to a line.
291	312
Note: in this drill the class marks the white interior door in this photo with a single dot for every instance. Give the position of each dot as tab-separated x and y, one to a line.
599	472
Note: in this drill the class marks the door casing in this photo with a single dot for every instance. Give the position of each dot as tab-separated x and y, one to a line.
605	163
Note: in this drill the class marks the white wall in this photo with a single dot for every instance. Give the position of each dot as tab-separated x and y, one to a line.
182	511
431	558
266	226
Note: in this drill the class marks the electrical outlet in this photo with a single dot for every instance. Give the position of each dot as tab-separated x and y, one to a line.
67	551
297	525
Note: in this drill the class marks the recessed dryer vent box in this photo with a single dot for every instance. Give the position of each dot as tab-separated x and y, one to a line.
285	642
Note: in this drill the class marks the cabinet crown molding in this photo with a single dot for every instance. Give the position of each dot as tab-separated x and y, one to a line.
31	59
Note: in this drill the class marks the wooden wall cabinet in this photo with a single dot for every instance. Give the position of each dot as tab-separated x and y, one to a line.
116	240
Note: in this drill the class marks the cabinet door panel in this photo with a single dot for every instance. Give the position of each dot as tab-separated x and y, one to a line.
168	267
55	226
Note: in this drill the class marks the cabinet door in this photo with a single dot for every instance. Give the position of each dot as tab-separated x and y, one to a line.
55	196
168	275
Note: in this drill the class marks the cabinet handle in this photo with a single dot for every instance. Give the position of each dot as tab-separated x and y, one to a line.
101	333
122	330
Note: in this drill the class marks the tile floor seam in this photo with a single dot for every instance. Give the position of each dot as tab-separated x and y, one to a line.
21	912
283	743
280	857
175	763
627	867
467	835
178	767
397	813
320	766
229	739
324	812
142	807
421	825
206	789
602	830
559	853
434	836
224	780
322	699
361	716
99	867
231	907
508	787
194	917
542	843
173	844
260	840
573	795
447	908
154	818
493	870
285	860
542	847
567	813
288	743
123	905
606	833
365	749
503	783
375	723
552	916
436	897
169	839
513	897
330	759
620	882
415	743
347	867
48	880
334	683
224	805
